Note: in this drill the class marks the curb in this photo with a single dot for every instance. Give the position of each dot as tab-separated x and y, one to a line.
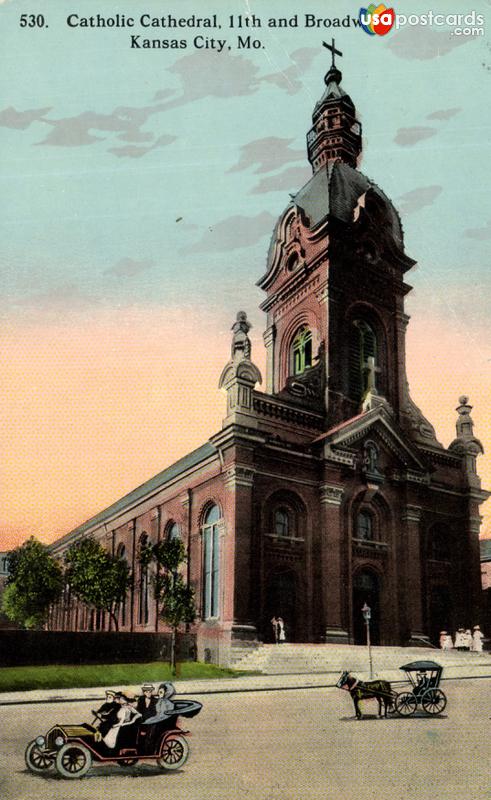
98	694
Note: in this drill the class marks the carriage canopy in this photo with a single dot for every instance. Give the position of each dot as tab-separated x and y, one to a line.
420	666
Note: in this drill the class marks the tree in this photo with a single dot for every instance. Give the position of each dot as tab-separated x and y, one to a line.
34	583
97	578
175	597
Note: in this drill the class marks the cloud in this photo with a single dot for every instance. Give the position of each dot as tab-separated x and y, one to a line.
127	267
10	118
163	93
413	201
209	74
124	121
482	234
285	181
422	44
288	79
445	113
132	151
233	233
409	136
266	154
67	297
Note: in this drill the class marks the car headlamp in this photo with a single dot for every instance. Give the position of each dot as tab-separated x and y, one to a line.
40	741
59	741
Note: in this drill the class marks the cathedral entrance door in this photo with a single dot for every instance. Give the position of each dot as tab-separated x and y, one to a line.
281	601
366	589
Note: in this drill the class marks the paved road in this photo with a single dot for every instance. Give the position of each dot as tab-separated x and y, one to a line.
276	745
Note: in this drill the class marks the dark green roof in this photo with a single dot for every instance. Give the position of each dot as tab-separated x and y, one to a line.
185	463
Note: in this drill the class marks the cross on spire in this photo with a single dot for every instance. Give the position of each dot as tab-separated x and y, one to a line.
333	50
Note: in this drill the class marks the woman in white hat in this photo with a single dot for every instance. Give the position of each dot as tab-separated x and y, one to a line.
477	638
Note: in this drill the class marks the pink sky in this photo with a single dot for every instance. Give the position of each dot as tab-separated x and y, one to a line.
93	408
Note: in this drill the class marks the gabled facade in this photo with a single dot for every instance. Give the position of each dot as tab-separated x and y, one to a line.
329	489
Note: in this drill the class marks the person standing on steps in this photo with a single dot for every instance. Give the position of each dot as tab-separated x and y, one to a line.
276	629
281	630
477	638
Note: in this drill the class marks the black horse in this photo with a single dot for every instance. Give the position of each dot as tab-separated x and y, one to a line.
364	690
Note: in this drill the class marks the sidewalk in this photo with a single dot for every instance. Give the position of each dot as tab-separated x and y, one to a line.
253	683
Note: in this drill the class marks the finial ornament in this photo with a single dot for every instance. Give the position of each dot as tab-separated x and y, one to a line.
241	344
332	48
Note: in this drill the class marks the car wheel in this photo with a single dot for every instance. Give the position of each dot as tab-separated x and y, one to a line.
36	757
174	752
73	760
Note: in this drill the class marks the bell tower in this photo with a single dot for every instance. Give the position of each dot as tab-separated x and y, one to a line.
334	282
336	133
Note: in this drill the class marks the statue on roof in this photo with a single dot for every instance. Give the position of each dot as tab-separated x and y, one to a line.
241	344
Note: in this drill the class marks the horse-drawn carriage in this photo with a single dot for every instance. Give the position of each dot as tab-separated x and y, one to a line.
424	678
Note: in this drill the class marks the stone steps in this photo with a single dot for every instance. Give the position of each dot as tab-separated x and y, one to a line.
311	658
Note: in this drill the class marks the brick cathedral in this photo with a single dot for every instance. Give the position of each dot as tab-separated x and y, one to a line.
329	489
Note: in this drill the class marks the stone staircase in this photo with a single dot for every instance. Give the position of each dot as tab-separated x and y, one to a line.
291	659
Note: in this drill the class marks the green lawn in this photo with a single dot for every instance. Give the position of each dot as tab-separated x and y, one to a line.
83	675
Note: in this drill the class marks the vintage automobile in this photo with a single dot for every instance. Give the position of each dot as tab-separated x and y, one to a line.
71	749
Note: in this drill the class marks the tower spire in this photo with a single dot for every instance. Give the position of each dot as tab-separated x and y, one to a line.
336	133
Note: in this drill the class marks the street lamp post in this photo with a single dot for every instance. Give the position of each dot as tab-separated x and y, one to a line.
367	613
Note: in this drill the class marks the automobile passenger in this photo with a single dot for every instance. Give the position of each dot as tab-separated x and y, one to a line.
126	716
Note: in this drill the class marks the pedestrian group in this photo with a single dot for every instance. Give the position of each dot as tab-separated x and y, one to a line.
463	640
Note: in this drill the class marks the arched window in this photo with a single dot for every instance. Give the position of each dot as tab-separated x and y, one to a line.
301	351
362	345
211	547
282	526
121	553
173	531
364	527
144	581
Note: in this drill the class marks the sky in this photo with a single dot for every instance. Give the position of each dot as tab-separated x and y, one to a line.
140	190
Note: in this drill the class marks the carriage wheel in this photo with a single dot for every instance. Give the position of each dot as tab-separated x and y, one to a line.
406	704
174	752
36	758
433	701
73	760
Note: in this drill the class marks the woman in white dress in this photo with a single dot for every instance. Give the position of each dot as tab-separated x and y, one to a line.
477	638
281	629
126	715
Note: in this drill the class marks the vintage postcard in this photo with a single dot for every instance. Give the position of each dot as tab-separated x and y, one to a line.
246	399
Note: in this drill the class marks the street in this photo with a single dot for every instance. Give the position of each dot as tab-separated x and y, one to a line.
280	745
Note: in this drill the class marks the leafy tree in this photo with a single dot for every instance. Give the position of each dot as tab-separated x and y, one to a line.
34	583
97	578
176	599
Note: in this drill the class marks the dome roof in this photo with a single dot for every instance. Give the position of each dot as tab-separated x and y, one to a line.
334	191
